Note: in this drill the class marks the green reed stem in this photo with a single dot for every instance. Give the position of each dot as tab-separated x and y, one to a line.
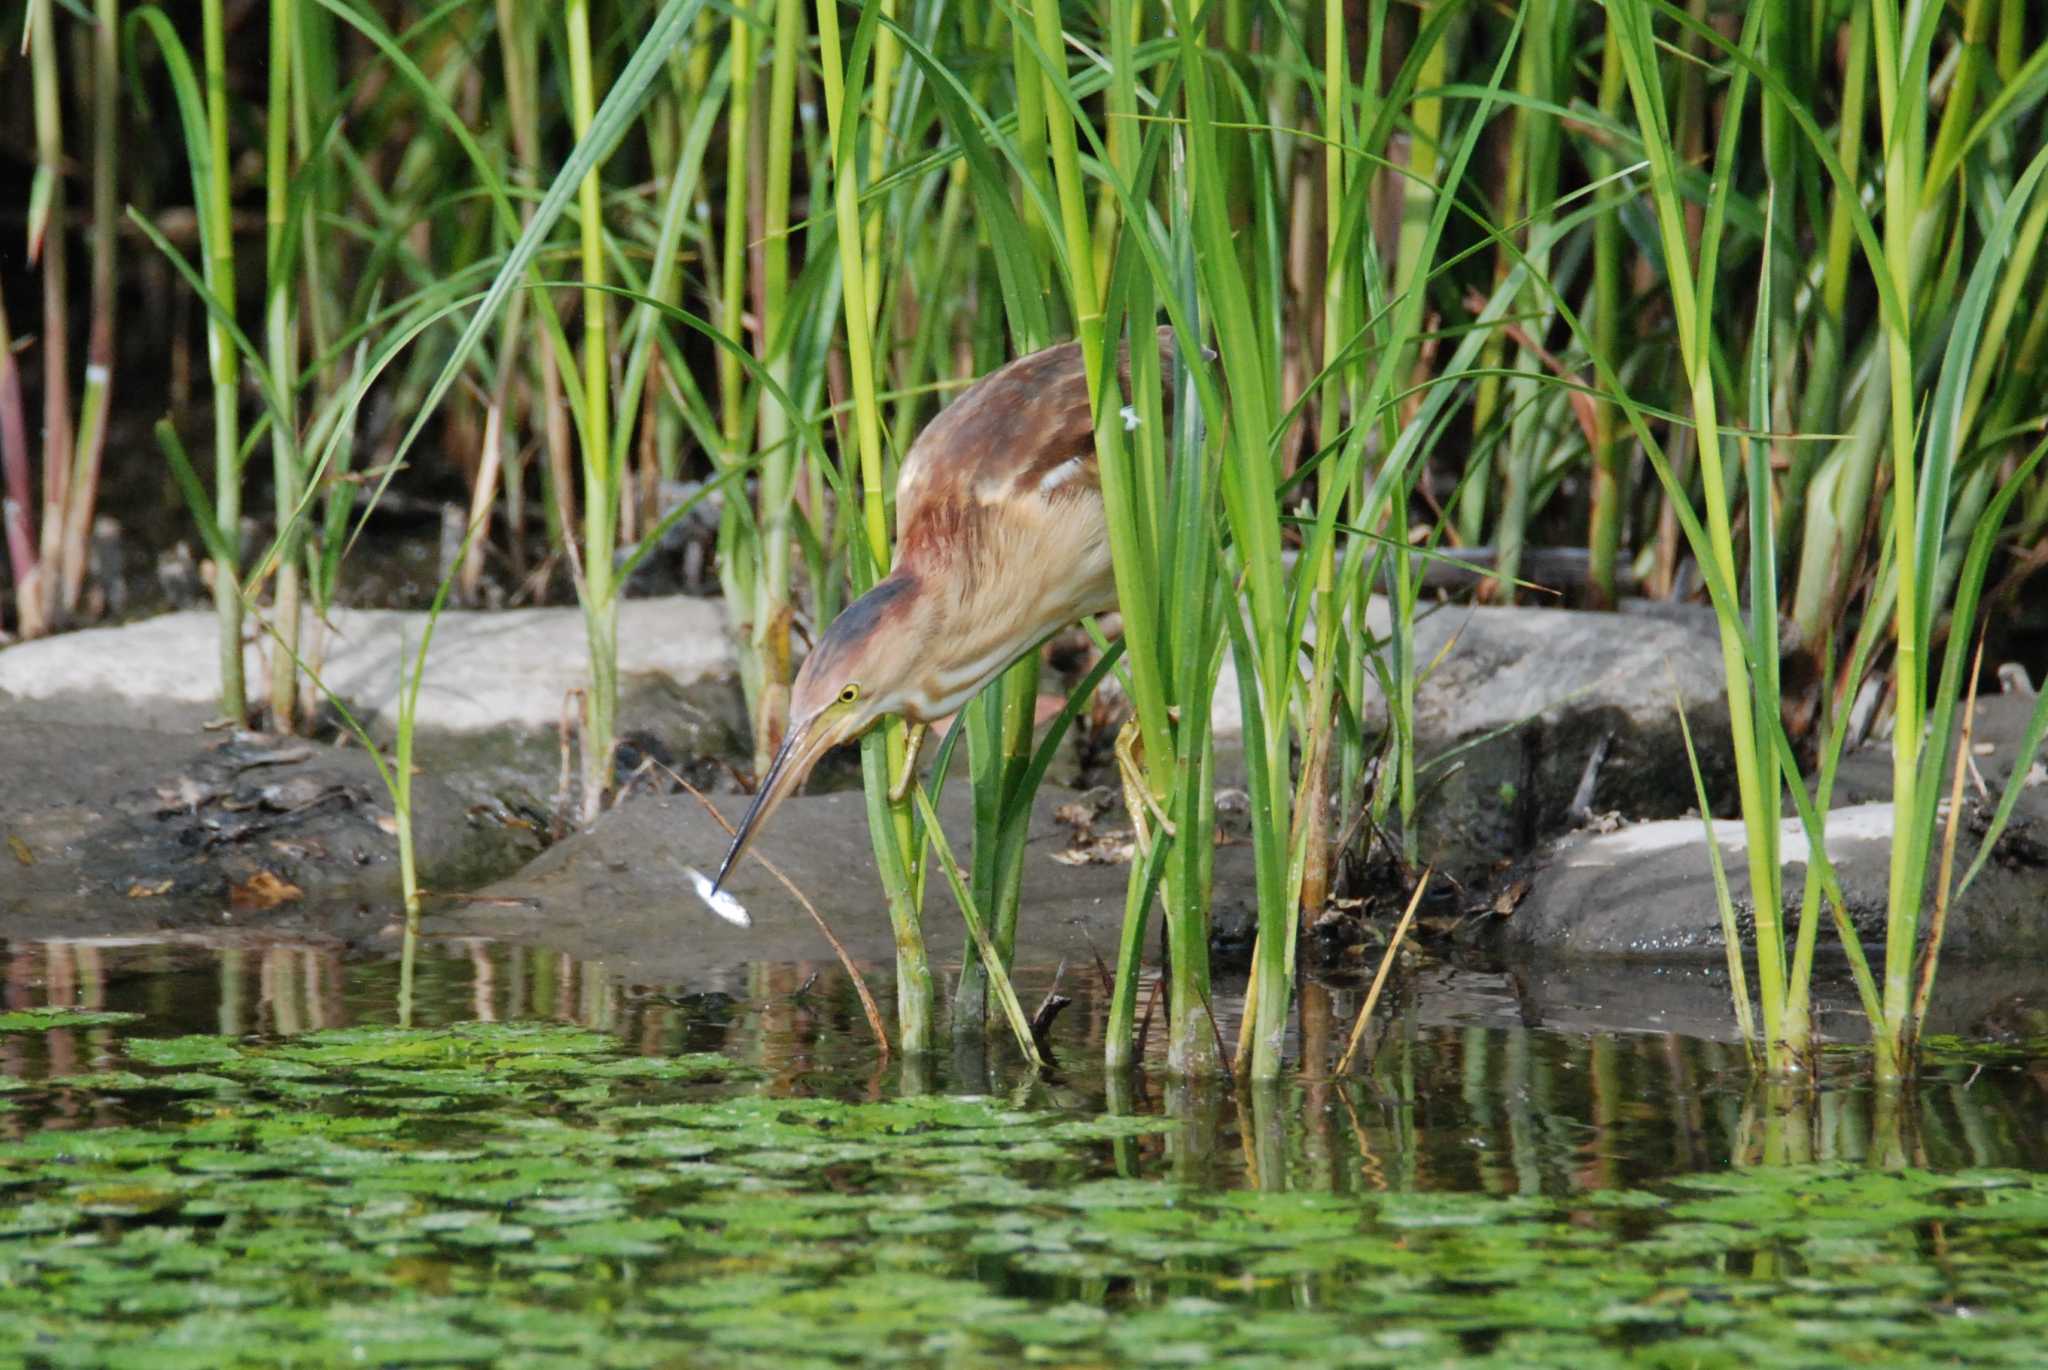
1902	112
96	400
280	328
1247	489
773	605
1607	498
733	232
218	246
1136	583
1692	288
49	244
888	57
883	757
601	475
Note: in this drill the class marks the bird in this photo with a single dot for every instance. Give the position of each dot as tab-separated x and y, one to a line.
1001	541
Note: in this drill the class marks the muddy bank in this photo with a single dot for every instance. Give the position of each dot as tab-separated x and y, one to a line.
110	828
124	812
620	893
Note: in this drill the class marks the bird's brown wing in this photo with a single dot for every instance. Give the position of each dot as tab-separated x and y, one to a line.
1022	430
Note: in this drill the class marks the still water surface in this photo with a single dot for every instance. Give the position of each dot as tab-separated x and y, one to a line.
550	1167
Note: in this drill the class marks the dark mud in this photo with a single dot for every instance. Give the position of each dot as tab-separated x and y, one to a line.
119	829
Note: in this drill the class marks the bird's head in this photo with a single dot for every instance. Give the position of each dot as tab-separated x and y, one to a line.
862	668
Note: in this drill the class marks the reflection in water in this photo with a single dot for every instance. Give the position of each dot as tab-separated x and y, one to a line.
1445	1104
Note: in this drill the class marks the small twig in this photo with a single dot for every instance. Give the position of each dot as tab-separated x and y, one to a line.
1102	970
1580	810
531	589
488	901
640	773
1977	782
747	783
1581	402
1049	1008
1216	1031
1248	1021
1145	1023
572	699
1372	996
860	985
1932	955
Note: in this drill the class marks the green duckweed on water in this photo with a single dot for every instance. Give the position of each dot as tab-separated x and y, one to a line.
536	1195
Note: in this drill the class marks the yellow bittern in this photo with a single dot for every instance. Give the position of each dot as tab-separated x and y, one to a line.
1000	542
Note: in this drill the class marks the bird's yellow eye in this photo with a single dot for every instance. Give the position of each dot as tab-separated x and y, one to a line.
850	694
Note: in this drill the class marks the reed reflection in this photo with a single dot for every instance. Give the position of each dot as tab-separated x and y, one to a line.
1440	1105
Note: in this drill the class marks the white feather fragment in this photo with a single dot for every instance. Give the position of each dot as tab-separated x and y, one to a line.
718	901
1059	475
1130	417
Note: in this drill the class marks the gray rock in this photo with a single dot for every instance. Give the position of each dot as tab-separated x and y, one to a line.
484	672
1520	700
159	674
513	668
1646	892
491	697
1515	701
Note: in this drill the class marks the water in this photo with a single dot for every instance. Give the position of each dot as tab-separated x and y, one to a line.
555	1168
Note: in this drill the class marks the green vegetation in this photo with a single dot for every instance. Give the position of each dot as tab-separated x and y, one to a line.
1930	517
534	1194
1437	276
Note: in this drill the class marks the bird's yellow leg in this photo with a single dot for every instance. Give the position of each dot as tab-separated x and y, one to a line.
1138	798
913	743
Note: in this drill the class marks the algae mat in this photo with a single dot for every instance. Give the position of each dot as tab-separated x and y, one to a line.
534	1195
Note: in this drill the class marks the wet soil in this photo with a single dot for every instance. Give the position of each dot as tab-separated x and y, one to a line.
123	829
620	892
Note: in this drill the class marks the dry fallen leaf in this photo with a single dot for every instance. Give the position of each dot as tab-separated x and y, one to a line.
148	889
20	850
1112	848
1507	900
1078	816
263	890
187	794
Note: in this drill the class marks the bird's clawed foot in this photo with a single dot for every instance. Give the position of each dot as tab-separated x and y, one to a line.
1138	798
913	743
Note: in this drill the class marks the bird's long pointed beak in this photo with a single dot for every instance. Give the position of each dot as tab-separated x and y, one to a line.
801	748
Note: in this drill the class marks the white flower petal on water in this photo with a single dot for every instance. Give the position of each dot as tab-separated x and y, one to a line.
718	901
